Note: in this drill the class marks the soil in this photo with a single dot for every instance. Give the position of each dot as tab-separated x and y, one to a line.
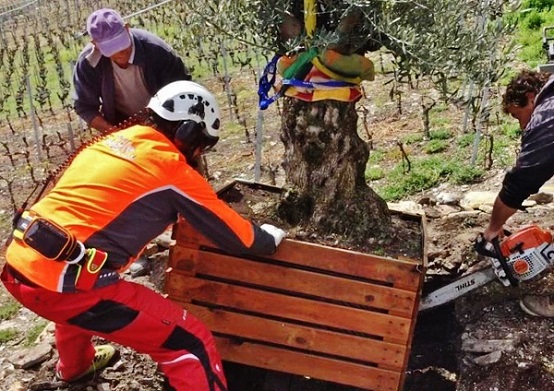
260	203
439	361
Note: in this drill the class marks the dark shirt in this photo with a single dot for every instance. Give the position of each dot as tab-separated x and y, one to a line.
535	163
94	82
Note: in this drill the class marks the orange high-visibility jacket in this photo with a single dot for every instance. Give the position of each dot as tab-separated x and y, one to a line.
120	193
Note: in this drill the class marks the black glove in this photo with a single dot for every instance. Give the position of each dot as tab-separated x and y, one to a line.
482	247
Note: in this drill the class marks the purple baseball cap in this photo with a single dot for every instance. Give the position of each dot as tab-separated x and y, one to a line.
108	30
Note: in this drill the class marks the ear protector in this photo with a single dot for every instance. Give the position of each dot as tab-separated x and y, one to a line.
188	134
191	136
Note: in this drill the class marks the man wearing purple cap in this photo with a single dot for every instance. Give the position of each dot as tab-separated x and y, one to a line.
120	70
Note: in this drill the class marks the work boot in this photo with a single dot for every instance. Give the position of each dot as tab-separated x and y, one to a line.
105	354
542	306
141	267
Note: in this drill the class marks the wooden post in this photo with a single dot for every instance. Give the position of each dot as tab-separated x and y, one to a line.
34	118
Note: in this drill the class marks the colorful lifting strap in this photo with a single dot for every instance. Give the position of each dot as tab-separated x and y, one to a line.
293	77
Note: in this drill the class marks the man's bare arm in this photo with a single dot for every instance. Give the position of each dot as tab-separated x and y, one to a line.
500	213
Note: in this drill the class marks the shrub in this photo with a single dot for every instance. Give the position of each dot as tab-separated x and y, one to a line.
466	174
534	20
441	134
436	146
539	5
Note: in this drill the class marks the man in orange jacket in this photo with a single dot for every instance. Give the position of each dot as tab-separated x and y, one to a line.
118	194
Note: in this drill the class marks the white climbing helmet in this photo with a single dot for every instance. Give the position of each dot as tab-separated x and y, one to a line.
186	100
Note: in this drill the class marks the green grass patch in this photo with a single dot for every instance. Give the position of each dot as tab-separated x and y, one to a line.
436	146
440	134
9	310
376	156
465	140
412	138
33	333
374	173
532	17
511	130
425	174
8	335
439	120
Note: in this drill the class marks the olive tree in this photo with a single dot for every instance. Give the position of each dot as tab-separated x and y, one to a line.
325	158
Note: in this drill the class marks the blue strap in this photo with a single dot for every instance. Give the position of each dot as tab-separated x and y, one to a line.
267	80
316	84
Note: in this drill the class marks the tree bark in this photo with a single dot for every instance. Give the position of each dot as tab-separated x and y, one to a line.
324	163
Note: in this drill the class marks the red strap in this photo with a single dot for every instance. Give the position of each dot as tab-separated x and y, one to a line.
90	269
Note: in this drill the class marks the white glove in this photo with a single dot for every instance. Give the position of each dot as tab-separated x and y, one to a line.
277	233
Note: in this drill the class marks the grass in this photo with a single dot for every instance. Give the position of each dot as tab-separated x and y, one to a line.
436	146
33	333
9	310
533	17
424	174
8	335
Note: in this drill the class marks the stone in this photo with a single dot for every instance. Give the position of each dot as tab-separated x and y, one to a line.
26	358
474	199
409	207
17	386
542	198
488	359
165	240
488	346
448	198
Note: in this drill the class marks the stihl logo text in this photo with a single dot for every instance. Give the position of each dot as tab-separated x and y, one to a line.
464	285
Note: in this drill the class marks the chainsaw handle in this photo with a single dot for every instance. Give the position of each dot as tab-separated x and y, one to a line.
496	244
480	246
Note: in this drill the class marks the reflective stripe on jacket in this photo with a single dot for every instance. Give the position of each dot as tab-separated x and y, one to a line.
119	194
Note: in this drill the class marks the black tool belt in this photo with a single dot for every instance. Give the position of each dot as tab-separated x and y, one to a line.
56	243
48	238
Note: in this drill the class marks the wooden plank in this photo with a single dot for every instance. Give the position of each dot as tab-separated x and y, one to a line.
327	342
394	328
401	274
357	375
289	279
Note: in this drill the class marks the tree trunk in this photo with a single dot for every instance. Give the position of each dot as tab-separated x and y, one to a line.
325	161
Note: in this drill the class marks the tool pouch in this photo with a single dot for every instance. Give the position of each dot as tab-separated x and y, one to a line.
89	269
47	238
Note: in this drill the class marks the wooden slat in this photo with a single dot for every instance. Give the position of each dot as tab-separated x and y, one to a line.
288	279
298	311
221	294
357	375
401	274
327	342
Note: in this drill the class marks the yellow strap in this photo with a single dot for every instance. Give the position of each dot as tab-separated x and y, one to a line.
309	17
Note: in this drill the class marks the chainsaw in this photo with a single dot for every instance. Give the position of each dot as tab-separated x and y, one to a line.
518	257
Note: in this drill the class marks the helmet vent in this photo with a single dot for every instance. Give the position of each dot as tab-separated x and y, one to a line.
169	105
198	109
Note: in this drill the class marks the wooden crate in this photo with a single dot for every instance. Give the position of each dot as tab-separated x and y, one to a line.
310	310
